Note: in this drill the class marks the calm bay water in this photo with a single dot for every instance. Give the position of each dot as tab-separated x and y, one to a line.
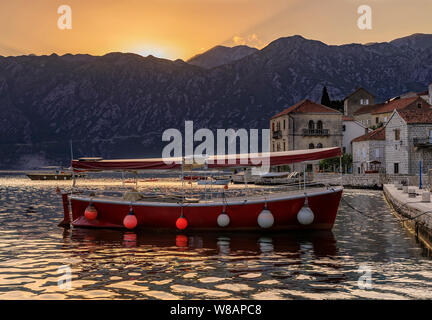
128	265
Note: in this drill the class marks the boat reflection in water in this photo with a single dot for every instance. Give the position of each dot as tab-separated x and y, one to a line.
317	243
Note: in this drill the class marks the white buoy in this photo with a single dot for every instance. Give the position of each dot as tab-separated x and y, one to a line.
305	216
265	219
223	220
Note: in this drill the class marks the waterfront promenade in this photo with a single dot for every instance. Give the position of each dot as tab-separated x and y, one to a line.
414	212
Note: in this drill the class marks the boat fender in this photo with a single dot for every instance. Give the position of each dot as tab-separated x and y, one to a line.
90	212
223	220
181	223
130	221
305	216
265	218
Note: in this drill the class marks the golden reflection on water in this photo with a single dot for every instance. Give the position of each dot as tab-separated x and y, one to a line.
109	264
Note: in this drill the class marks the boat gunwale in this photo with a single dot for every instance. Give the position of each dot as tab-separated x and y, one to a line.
207	204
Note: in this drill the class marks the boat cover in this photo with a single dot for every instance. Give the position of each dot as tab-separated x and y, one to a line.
218	161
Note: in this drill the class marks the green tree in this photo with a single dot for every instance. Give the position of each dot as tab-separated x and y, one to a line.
334	162
325	99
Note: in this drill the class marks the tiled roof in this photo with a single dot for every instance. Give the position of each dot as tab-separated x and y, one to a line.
307	106
346	118
396	104
412	116
378	134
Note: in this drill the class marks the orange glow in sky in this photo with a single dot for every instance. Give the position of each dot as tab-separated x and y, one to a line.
182	28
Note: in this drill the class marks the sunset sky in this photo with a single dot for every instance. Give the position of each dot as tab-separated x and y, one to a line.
182	28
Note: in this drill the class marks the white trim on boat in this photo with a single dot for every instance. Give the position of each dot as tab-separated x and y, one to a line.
207	204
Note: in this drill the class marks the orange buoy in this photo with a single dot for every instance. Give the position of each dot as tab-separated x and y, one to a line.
181	223
90	212
130	221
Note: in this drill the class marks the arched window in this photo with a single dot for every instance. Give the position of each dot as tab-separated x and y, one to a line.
319	145
311	146
319	125
311	125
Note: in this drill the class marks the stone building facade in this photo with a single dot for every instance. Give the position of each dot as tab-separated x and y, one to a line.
369	152
306	125
409	141
356	100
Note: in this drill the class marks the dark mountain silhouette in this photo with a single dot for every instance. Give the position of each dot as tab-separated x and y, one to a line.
221	55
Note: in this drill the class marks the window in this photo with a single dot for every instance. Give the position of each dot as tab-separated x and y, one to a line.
358	170
311	125
311	146
344	150
385	119
273	127
397	134
361	101
319	125
319	145
396	168
364	153
419	105
273	147
343	128
366	101
284	146
284	125
376	120
377	153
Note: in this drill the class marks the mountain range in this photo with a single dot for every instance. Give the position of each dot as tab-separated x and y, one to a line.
118	105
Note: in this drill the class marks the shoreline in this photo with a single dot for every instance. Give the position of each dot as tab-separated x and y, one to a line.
412	214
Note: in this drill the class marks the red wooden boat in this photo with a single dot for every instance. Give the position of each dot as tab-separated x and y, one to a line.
295	207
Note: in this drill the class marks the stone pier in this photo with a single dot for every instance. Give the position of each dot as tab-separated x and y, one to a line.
415	214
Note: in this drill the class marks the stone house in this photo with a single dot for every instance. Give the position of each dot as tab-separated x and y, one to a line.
369	152
356	100
351	129
306	125
409	141
374	115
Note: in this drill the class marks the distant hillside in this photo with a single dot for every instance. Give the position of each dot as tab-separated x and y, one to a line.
221	55
118	105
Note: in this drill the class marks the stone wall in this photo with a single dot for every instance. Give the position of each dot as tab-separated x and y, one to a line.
373	180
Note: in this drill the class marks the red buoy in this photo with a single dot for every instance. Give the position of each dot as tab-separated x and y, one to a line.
130	221
181	241
181	223
58	189
226	187
90	212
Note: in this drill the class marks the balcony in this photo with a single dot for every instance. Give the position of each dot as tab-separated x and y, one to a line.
316	132
422	142
277	134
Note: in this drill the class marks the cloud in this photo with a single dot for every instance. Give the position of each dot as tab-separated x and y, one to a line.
251	40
